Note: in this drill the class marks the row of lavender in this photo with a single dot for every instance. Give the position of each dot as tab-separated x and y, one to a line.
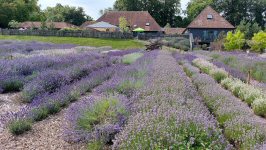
169	114
52	89
9	47
16	73
250	94
98	118
242	62
241	126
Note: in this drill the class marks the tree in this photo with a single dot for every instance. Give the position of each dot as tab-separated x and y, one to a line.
181	22
76	16
237	10
103	11
19	10
167	25
13	24
123	24
162	11
234	41
61	13
196	6
248	28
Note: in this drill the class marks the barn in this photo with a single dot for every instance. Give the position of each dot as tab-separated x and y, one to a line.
206	27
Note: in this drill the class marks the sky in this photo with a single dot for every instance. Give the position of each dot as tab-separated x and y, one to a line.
91	7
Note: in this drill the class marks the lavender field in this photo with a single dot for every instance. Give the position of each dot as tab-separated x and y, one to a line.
71	97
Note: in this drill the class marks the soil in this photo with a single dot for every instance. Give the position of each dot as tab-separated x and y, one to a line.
45	135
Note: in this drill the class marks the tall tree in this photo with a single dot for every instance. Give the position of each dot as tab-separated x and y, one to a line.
19	10
60	13
194	7
164	11
237	10
233	10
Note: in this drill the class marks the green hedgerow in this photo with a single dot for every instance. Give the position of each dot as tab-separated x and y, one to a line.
20	126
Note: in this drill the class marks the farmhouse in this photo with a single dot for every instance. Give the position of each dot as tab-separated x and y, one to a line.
38	25
135	19
208	25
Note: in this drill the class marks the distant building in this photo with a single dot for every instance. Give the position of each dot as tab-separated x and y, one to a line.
136	19
103	26
208	25
174	31
38	25
85	24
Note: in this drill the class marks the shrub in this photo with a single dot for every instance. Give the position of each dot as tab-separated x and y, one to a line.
127	87
258	42
204	46
20	126
234	41
13	85
131	58
247	93
53	107
38	114
259	106
218	74
103	112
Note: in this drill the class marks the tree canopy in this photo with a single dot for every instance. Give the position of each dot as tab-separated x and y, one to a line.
233	10
164	11
60	13
19	10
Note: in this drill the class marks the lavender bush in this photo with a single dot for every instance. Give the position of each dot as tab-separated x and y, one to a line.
49	104
169	114
241	126
78	127
8	47
21	71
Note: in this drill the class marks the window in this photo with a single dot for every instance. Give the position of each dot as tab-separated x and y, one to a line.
209	17
147	24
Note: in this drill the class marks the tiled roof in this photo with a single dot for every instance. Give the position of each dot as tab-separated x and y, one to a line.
172	31
135	19
57	25
214	21
85	24
101	25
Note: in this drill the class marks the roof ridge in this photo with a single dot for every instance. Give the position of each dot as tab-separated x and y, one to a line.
211	10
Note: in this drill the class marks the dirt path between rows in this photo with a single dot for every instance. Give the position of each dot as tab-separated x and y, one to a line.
9	103
45	135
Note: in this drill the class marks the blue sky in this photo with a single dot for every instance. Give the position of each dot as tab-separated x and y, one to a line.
92	7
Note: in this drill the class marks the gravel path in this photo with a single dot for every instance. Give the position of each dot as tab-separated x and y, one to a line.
9	103
45	135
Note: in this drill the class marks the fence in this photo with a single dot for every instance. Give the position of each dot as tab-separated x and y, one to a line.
155	35
62	33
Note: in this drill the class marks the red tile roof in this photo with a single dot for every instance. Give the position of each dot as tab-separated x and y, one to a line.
217	21
85	24
57	25
135	18
172	31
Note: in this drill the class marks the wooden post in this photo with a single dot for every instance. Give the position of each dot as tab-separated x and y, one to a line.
249	76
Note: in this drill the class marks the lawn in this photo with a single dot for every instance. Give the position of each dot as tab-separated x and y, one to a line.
97	42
